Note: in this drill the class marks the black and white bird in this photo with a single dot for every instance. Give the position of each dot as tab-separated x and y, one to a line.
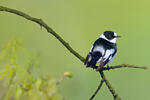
103	51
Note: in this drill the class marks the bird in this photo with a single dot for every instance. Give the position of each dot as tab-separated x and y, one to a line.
103	51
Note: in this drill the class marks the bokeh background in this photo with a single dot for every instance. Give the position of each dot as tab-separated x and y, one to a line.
80	23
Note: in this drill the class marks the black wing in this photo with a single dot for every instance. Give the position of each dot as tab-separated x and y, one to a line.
95	56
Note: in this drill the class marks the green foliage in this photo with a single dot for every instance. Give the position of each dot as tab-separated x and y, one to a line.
19	81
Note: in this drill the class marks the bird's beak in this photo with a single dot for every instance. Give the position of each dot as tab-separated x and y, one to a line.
118	36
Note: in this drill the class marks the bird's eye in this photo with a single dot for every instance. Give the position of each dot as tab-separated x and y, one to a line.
113	36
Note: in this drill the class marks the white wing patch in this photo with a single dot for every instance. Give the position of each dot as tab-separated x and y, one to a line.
108	54
99	49
112	58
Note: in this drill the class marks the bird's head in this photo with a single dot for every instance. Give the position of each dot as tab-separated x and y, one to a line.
110	36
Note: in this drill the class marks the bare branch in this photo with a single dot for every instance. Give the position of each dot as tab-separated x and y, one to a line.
49	30
115	95
99	87
123	66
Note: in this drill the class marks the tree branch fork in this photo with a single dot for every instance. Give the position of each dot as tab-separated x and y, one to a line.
72	51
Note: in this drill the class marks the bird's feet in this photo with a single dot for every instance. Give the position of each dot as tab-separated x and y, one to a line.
108	67
94	67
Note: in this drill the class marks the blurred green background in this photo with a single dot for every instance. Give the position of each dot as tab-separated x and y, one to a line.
80	23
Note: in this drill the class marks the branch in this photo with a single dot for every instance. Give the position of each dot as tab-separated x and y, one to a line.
49	30
124	65
115	95
99	87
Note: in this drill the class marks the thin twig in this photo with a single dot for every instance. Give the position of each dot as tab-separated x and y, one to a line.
123	66
59	81
99	87
106	81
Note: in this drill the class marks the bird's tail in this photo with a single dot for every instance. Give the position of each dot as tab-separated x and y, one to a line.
95	56
92	63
